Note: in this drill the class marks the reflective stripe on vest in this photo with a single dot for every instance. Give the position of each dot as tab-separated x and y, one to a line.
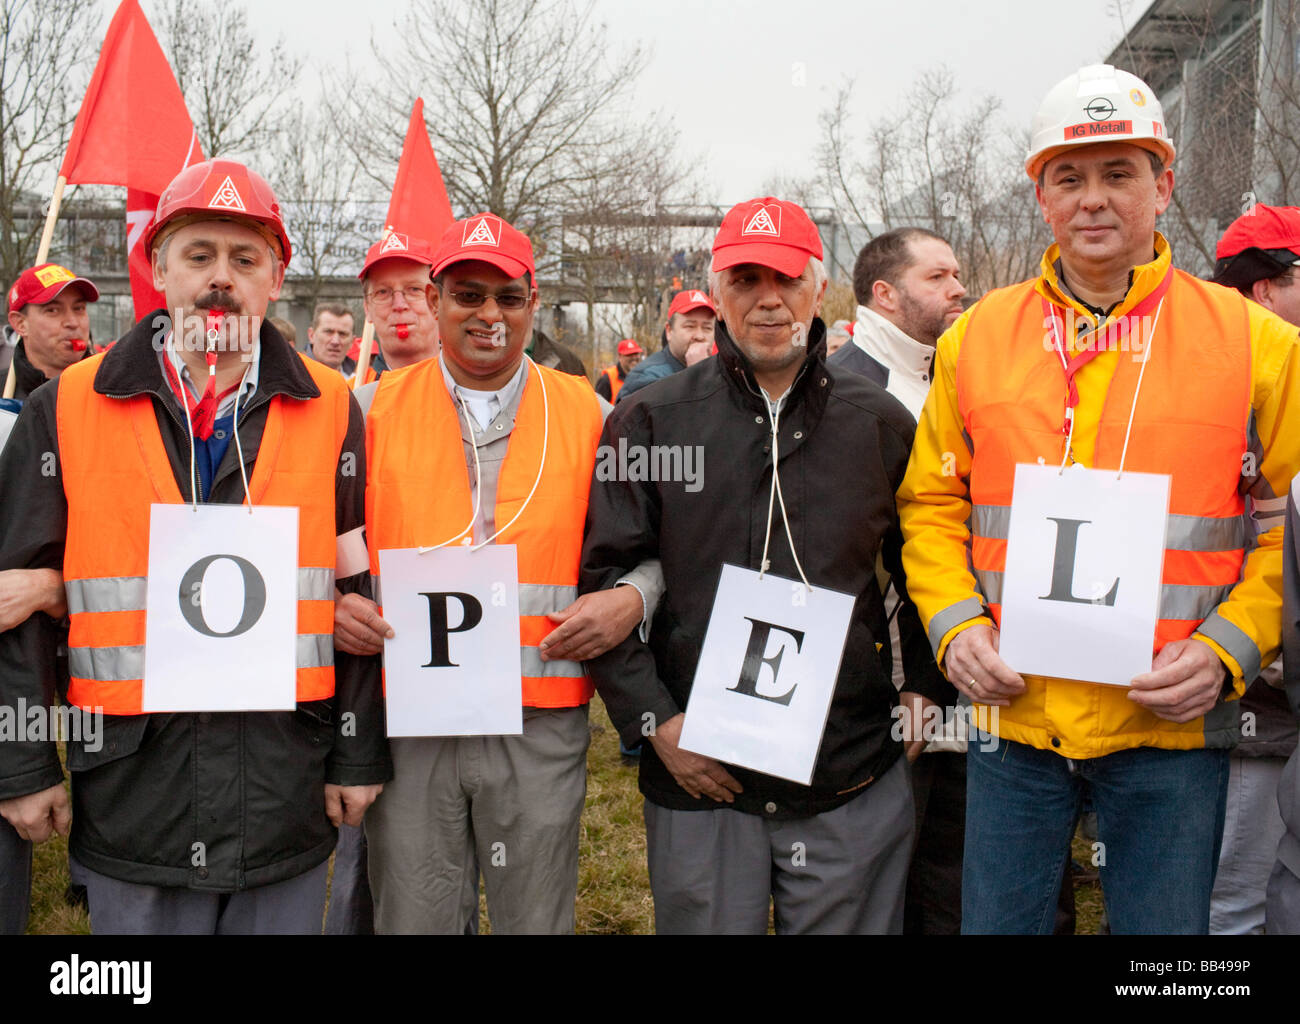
109	490
1011	393
418	495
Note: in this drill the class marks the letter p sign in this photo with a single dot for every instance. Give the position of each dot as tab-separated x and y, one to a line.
471	614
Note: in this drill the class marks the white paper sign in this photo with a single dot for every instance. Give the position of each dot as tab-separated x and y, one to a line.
1081	591
452	669
766	673
221	609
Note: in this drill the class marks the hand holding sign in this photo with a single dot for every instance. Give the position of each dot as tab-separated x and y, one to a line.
974	666
358	629
1184	681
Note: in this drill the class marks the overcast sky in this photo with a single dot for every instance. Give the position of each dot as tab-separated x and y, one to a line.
724	72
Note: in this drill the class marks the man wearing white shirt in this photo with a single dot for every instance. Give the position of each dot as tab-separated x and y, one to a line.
907	283
484	441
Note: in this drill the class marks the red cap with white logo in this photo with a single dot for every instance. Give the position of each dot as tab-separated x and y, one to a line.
42	284
488	238
692	298
628	347
397	246
767	231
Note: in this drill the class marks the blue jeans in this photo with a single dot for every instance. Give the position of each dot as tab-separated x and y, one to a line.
1159	826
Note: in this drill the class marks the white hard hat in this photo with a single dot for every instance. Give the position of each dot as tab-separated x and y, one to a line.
1097	103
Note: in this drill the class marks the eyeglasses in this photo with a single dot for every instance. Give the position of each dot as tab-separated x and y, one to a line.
506	300
382	298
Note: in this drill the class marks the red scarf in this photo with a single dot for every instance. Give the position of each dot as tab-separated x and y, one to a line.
1101	339
203	413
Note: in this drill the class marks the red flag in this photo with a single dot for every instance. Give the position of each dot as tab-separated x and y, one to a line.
419	205
133	130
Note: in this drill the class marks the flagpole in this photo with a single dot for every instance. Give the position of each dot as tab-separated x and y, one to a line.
47	236
363	357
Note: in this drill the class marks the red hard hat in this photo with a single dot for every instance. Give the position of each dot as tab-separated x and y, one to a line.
219	190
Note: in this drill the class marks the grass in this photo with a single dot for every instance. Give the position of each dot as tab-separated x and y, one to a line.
613	885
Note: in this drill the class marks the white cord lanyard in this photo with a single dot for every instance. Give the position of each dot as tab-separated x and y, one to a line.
1069	410
478	476
775	496
234	427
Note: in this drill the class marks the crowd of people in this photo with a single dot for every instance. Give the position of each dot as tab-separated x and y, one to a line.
885	471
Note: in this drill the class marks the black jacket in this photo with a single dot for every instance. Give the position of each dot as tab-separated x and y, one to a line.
851	357
547	352
844	447
27	378
249	786
652	368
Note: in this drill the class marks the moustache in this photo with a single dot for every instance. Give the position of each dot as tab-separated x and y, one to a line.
217	301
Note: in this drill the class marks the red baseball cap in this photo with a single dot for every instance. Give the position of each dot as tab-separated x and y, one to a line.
398	246
488	238
1261	243
1264	227
43	283
692	298
769	232
628	347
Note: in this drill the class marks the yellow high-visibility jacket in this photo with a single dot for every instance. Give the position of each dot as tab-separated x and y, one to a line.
1075	719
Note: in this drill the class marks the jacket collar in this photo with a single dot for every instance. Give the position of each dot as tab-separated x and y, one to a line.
26	375
737	371
131	366
1146	277
891	346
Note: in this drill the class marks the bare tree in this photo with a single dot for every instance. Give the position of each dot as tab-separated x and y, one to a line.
236	88
523	99
621	231
328	211
1229	85
959	173
48	46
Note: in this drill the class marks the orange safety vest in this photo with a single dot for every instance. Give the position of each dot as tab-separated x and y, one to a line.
1190	422
418	495
615	382
115	467
367	378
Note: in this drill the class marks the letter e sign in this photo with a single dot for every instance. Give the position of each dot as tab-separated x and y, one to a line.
766	674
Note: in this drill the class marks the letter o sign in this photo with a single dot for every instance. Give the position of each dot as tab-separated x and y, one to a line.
254	595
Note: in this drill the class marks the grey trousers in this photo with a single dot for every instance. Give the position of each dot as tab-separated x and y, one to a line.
840	872
1282	905
351	907
1252	828
509	805
15	880
292	907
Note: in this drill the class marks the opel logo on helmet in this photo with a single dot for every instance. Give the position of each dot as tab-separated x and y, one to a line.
1100	109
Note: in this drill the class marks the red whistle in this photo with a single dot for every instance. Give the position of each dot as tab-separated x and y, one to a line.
216	318
78	344
403	331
